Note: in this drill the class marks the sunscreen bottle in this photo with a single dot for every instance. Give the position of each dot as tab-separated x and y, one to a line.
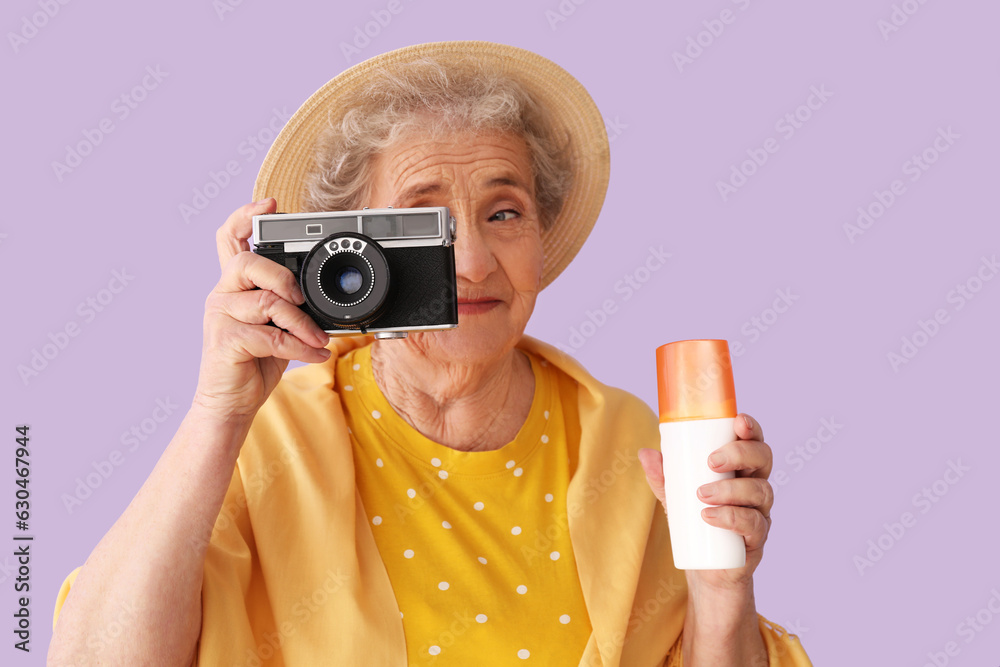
697	412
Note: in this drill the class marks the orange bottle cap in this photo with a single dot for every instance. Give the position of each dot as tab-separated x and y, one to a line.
695	380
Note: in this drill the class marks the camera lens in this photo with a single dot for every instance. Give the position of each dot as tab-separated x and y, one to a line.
345	279
349	280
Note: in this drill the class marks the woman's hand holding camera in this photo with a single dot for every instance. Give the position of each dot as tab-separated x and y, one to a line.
243	357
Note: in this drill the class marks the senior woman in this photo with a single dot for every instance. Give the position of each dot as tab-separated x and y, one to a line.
462	497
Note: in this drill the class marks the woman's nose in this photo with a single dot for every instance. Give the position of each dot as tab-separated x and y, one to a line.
474	259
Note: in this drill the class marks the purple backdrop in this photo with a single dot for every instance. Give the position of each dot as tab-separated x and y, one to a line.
810	181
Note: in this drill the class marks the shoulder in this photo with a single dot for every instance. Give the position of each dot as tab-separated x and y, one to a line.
593	396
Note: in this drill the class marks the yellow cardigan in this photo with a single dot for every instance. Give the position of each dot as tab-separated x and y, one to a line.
293	575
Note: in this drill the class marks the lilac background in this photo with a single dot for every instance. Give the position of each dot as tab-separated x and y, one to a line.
674	135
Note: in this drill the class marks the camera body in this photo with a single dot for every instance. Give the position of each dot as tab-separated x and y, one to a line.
383	271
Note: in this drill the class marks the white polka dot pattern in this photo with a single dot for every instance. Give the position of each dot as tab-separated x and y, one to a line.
461	514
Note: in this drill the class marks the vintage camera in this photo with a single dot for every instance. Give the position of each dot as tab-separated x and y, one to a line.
383	271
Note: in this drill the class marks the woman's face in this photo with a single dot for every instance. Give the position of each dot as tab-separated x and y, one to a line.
487	183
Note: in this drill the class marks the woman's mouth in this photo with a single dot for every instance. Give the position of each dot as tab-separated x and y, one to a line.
476	306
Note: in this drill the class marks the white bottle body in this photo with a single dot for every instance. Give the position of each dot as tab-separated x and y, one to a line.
686	446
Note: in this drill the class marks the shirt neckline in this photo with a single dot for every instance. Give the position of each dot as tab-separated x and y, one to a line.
433	455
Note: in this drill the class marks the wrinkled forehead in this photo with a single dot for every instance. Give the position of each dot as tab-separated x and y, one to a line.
424	165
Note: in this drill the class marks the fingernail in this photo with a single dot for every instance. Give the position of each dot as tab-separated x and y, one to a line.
746	420
297	295
262	201
705	491
710	512
325	352
717	460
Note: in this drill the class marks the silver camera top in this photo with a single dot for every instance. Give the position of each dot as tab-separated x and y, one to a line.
399	227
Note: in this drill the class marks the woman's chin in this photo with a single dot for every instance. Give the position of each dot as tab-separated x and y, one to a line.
473	341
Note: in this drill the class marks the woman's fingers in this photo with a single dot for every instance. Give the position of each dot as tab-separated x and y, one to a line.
262	306
259	340
231	238
748	428
652	463
752	492
749	523
247	270
748	458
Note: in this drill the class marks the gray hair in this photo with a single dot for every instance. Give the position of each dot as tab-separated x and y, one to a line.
429	96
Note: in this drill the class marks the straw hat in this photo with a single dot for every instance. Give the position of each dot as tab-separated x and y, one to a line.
290	158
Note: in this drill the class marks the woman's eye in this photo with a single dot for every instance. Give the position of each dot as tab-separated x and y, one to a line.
503	216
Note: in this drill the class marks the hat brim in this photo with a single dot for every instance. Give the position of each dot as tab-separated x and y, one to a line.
290	158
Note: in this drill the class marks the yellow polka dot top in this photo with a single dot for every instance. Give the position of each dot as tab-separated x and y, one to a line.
475	544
